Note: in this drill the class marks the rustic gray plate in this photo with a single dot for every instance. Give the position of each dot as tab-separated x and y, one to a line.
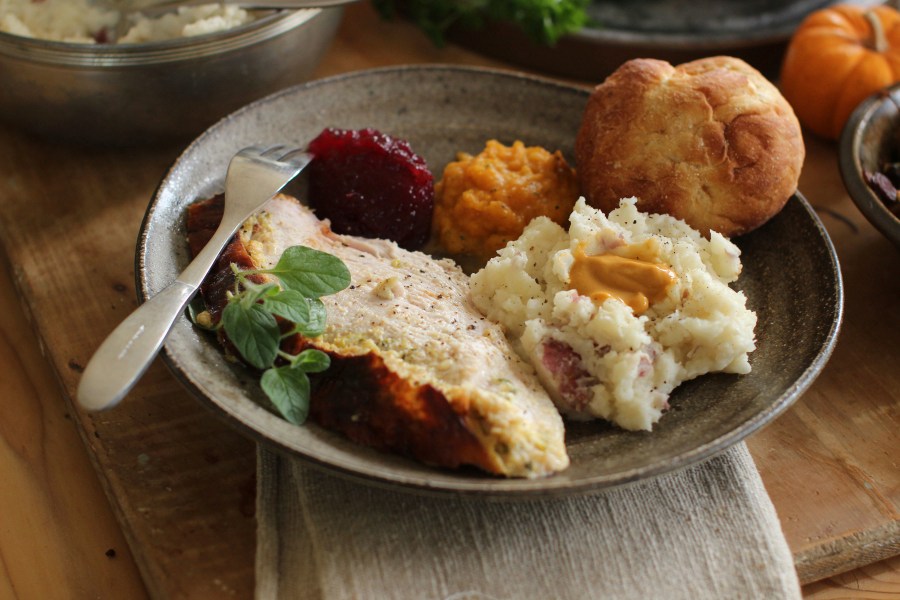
790	275
674	30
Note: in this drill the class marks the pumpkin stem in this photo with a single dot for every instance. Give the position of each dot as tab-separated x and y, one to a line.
878	41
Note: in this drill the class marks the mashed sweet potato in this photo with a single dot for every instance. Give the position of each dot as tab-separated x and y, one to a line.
484	201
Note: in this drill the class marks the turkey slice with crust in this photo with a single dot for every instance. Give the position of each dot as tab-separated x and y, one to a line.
416	368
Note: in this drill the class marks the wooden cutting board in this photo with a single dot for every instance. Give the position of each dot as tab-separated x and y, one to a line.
182	483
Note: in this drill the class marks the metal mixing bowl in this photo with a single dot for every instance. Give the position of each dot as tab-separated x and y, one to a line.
144	93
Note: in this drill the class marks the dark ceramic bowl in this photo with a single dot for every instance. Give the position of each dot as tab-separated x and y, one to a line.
791	279
870	139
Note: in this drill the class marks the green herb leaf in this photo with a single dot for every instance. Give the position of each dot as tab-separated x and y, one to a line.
311	272
315	324
289	305
311	361
253	292
288	389
253	331
249	321
544	21
307	314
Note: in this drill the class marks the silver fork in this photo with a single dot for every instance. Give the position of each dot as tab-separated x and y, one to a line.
254	176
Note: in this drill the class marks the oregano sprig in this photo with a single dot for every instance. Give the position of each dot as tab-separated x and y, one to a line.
304	275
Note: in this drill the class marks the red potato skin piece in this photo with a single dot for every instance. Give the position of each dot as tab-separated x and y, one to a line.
358	396
561	360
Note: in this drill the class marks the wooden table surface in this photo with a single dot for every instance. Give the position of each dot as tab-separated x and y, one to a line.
61	537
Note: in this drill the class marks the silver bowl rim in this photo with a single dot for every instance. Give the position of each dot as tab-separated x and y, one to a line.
75	54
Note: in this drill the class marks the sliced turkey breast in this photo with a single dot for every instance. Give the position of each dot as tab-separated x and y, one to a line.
416	368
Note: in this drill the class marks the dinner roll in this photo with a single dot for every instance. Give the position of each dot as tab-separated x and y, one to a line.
711	142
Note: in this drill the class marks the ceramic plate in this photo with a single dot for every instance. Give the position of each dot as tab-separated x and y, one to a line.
790	276
673	30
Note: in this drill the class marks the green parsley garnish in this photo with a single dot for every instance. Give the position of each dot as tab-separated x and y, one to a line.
544	21
304	275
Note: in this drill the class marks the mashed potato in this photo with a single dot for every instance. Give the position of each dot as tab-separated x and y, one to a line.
59	20
600	358
81	21
186	22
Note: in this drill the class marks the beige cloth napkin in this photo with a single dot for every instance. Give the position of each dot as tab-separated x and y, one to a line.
709	531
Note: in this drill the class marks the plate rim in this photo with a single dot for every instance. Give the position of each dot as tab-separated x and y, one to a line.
497	488
778	32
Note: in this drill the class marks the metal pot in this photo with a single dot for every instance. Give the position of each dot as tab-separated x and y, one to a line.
135	94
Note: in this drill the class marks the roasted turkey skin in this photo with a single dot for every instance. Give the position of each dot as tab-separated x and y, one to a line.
416	369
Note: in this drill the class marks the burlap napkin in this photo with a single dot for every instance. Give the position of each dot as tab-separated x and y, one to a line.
709	531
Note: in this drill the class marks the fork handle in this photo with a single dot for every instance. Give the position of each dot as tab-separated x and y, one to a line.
130	349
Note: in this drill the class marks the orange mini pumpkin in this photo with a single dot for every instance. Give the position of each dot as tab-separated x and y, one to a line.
836	58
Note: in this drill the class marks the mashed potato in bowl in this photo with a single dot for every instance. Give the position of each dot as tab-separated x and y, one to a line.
602	357
88	22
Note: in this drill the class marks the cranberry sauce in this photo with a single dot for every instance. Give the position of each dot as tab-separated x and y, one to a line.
371	185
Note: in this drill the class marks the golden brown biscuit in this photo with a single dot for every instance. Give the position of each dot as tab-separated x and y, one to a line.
711	142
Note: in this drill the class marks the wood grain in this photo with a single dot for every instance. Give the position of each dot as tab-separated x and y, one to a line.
181	484
878	581
167	465
58	537
831	464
